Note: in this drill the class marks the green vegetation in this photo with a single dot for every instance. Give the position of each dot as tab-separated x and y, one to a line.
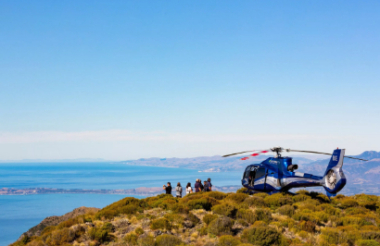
220	219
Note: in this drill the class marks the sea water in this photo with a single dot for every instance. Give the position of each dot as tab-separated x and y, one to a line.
18	213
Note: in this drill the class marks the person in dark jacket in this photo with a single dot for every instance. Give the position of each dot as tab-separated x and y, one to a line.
168	189
201	185
197	186
209	184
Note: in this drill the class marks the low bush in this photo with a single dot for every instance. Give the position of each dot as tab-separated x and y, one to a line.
286	210
237	197
202	203
300	198
263	236
242	190
277	200
209	217
255	201
247	215
161	223
263	214
348	203
308	226
139	231
131	239
216	195
228	240
362	242
306	215
226	209
221	226
167	240
327	208
146	240
191	217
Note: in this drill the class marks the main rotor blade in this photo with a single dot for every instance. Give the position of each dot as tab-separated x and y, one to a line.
308	151
322	153
255	154
238	153
355	158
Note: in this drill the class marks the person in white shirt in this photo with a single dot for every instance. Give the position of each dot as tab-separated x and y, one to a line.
188	188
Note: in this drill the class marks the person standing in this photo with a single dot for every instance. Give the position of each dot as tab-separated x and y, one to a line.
206	186
178	190
197	186
168	189
209	184
201	185
188	188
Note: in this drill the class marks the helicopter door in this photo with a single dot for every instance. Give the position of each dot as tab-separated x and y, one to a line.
260	179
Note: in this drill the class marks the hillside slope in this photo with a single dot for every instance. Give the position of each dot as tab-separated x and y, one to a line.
223	219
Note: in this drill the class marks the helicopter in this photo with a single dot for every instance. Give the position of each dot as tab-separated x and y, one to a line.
277	174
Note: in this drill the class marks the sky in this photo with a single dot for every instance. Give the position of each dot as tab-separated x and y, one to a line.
124	80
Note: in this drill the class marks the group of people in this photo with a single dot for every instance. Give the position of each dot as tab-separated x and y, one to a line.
198	187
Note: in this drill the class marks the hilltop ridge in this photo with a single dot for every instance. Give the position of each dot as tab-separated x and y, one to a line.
222	219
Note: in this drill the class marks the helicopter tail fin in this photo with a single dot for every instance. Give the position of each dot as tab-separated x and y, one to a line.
334	179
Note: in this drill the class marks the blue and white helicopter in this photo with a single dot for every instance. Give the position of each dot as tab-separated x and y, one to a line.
277	174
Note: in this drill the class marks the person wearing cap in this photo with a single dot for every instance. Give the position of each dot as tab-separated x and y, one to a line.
197	186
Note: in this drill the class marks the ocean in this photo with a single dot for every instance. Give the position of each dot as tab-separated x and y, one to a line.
18	213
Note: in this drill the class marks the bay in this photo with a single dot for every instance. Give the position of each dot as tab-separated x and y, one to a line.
18	213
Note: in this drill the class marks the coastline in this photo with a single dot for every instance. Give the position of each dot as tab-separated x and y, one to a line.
141	191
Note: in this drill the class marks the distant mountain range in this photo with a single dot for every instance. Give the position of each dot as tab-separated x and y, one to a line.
206	164
362	176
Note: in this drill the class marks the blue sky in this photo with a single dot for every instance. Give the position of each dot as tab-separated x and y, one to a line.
131	79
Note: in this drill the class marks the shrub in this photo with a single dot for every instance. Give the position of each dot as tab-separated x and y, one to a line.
128	205
333	236
263	236
263	214
306	215
131	239
255	201
209	217
367	243
277	200
247	215
300	198
225	209
228	240
286	210
261	194
139	231
242	190
329	209
146	240
348	203
161	223
221	226
237	197
307	226
167	240
199	204
216	195
203	231
193	218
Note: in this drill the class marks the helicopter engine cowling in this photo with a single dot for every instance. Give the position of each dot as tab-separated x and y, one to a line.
334	179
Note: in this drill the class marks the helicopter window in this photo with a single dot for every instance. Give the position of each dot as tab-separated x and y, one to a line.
260	172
